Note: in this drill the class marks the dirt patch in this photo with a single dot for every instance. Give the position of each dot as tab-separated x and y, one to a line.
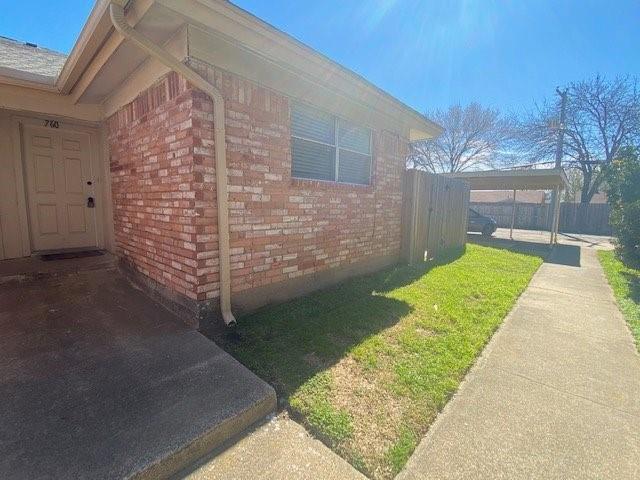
425	332
360	392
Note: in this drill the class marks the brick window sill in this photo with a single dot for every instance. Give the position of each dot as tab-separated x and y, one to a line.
330	185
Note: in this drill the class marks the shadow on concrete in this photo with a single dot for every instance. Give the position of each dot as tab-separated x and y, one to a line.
568	255
588	240
99	381
560	254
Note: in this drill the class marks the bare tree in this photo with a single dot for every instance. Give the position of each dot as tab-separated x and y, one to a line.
572	193
472	139
602	117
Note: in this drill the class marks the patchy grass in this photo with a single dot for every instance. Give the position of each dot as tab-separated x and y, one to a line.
367	365
625	282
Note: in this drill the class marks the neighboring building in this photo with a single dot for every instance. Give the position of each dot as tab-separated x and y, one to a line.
506	196
598	198
109	148
524	196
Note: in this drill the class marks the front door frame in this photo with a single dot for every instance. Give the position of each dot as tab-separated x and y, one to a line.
97	164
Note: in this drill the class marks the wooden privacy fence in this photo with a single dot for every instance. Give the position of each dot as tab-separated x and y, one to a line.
585	218
434	215
529	216
574	217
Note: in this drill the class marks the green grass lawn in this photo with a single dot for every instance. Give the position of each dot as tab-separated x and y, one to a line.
625	282
367	365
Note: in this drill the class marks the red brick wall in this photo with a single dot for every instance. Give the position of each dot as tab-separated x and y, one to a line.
281	228
161	188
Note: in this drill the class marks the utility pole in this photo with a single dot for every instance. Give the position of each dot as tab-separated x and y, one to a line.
559	148
563	112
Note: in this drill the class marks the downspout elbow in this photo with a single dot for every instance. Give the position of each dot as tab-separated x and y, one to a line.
119	22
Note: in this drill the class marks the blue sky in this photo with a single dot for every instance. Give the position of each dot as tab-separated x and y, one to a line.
428	53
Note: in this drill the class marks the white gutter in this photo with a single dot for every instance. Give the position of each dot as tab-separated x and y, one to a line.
121	25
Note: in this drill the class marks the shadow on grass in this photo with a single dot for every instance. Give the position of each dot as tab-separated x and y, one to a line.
560	254
629	259
633	280
289	343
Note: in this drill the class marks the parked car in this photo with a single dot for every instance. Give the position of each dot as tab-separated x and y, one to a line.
481	223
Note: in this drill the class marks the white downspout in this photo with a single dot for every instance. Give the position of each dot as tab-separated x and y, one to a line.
121	25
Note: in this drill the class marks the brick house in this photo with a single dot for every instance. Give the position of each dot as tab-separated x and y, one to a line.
114	147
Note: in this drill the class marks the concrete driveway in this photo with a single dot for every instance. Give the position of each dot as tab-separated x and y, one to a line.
541	238
555	395
98	381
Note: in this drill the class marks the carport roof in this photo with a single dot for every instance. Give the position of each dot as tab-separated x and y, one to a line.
536	179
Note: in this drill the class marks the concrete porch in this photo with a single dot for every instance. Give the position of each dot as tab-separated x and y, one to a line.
98	381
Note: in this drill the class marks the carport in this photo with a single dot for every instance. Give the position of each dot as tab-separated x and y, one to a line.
535	179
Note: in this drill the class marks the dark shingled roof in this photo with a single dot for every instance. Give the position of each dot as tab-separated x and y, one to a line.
30	62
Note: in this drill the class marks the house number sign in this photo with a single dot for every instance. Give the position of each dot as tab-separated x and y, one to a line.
52	123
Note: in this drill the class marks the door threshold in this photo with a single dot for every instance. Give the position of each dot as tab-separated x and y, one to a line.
49	257
33	267
53	251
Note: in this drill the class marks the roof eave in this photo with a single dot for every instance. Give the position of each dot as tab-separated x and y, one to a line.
432	130
98	28
422	127
9	76
95	31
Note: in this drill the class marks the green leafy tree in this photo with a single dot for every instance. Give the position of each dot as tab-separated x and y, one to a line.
623	191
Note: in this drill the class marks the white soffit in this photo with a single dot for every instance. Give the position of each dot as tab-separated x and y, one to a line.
159	24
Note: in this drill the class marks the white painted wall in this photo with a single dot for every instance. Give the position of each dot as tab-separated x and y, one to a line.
11	244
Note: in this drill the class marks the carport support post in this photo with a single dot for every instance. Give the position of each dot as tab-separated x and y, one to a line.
513	214
556	217
555	238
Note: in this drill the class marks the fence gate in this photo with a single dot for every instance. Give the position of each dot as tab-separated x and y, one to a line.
434	215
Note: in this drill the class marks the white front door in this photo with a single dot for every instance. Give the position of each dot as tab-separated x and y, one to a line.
59	184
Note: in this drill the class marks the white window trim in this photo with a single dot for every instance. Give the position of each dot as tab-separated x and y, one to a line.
336	162
336	126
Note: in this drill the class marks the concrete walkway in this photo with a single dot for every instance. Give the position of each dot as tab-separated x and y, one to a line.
99	381
556	394
281	449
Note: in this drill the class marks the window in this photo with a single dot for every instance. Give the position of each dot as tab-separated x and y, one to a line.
324	147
